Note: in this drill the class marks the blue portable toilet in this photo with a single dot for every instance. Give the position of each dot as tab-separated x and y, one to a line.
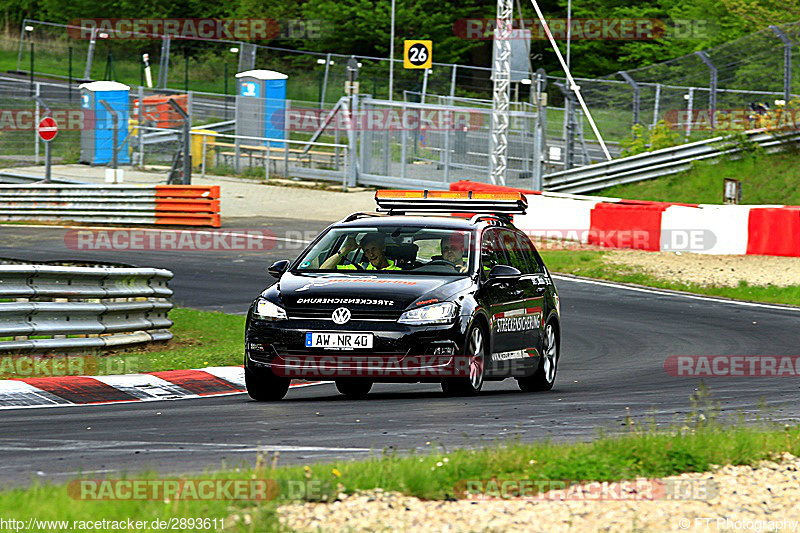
261	104
96	142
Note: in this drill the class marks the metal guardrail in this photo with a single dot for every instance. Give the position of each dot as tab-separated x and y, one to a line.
655	164
82	307
112	204
12	177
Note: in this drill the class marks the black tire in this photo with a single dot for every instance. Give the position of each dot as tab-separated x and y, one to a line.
545	376
264	386
475	350
356	389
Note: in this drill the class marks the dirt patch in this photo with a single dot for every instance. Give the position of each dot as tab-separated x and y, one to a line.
710	270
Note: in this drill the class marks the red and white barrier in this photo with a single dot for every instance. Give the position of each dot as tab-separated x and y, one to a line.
657	226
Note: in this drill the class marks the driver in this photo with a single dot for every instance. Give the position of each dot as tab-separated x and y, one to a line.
374	246
453	251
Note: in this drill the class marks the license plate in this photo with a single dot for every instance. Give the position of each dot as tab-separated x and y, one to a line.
339	341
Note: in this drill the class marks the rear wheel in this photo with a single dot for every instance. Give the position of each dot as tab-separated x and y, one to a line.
264	386
475	353
545	375
354	388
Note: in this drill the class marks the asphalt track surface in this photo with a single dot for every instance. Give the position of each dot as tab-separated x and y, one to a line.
615	342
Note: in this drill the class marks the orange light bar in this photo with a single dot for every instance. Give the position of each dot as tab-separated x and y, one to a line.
459	195
451	201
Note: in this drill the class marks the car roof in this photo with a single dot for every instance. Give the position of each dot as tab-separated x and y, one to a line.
431	221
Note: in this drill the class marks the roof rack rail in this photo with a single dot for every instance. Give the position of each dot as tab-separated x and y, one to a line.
361	214
502	218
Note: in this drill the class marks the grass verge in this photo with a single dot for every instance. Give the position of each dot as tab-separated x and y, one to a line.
766	179
589	263
693	446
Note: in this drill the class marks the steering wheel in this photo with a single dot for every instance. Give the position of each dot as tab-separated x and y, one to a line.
358	266
442	262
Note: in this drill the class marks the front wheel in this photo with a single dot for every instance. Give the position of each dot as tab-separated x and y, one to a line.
264	386
545	375
475	354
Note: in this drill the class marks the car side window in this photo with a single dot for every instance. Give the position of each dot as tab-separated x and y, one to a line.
491	252
525	247
517	257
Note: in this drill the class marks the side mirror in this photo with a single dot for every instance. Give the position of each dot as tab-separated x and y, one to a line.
278	268
500	272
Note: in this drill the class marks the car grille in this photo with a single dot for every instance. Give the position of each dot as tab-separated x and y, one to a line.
371	315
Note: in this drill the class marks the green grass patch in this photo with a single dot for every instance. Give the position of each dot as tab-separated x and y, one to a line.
589	263
766	179
202	338
693	445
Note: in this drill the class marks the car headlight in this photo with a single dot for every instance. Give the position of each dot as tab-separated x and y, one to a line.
267	310
442	313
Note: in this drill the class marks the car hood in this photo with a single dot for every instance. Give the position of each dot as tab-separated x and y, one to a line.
363	290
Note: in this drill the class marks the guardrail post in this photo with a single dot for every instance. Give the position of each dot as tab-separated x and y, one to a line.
689	108
712	85
787	63
635	86
114	132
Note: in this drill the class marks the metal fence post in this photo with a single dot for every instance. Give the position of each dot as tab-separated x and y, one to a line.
689	108
163	63
712	85
787	63
636	101
325	82
140	130
87	72
37	118
21	44
657	104
453	81
424	85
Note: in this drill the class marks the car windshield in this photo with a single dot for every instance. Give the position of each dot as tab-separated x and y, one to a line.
398	249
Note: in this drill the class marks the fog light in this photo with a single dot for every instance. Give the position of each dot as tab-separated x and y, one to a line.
257	347
443	350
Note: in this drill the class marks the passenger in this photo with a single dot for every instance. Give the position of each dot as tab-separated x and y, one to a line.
374	246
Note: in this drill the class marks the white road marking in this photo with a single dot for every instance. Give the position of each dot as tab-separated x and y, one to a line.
675	294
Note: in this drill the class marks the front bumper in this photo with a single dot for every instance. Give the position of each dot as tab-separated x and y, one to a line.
400	353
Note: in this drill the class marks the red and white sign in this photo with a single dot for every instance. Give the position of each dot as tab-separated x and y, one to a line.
48	129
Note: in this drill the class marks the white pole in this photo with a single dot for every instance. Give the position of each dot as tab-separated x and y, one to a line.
572	86
391	56
569	28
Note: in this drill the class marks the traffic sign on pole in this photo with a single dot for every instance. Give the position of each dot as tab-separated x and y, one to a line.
48	129
417	54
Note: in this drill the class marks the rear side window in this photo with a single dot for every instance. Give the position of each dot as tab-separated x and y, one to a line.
517	256
526	248
491	252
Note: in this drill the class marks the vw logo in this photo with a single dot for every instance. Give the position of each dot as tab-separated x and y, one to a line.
341	315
